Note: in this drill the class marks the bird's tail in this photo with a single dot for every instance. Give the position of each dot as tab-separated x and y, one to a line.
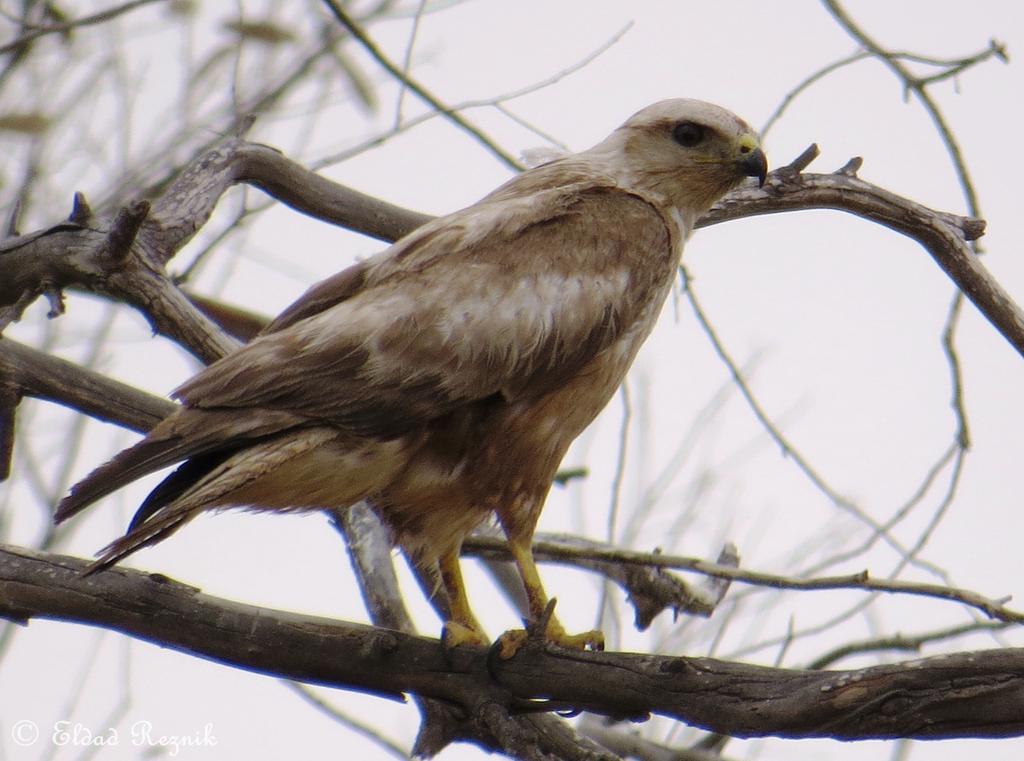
147	456
188	434
150	532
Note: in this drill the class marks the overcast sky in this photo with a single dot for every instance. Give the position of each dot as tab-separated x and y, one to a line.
838	320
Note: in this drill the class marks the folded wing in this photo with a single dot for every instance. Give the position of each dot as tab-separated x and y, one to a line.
511	296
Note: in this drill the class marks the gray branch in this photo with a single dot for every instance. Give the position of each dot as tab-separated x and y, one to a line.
975	694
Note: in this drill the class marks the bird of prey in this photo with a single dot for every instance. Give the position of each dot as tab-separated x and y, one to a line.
443	379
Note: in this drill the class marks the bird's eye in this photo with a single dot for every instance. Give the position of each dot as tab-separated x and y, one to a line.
688	134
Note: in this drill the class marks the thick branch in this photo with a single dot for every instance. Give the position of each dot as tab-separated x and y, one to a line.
962	695
319	197
40	375
944	236
94	260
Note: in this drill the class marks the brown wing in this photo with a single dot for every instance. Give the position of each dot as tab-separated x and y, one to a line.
510	296
481	303
321	297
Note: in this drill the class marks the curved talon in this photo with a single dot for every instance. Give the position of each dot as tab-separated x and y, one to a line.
541	610
456	634
511	642
590	640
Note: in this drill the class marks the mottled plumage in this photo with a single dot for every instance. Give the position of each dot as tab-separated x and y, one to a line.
444	378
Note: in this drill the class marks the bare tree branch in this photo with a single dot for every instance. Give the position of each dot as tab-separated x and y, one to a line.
344	719
31	372
947	68
626	741
395	71
65	27
917	86
903	642
650	589
944	236
320	198
912	700
567	553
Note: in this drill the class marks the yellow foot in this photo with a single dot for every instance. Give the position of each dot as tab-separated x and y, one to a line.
511	642
456	634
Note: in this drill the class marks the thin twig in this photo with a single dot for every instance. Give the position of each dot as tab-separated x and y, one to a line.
766	422
407	60
552	552
346	720
898	515
903	642
67	26
916	86
806	83
493	102
356	31
950	68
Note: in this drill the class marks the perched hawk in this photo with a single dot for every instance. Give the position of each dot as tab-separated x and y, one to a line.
443	379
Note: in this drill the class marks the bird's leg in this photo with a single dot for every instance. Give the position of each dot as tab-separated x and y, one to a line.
511	641
461	628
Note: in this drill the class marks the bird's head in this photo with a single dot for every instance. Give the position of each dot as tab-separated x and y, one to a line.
685	154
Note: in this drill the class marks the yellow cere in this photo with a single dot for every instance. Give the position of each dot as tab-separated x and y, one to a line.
748	143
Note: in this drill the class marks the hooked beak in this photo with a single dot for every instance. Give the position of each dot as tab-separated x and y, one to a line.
755	164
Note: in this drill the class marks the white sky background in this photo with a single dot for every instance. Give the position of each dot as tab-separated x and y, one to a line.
843	318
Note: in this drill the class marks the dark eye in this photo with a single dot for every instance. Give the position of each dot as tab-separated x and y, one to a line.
688	134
